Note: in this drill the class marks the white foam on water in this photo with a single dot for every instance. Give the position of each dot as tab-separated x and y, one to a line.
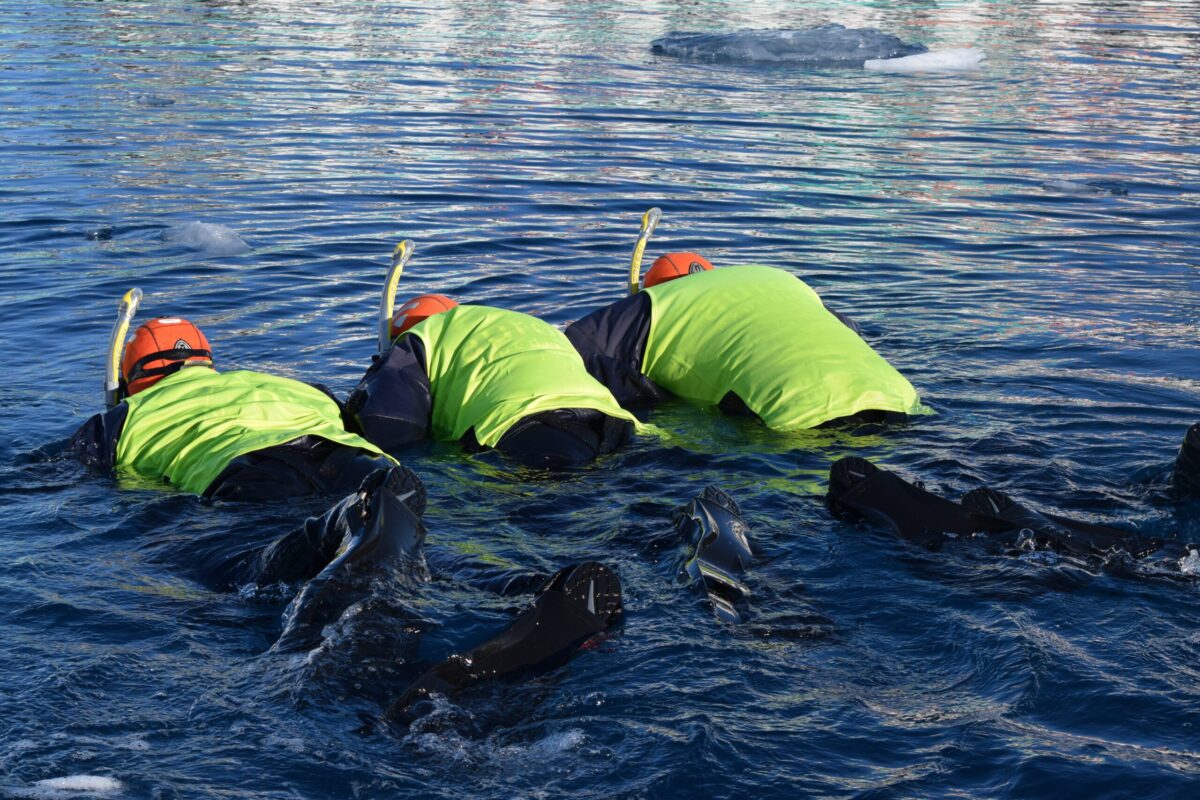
550	745
1190	564
214	239
293	743
69	786
955	59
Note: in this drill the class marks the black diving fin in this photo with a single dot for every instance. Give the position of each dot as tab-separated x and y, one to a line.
859	490
384	533
712	526
1186	477
577	603
1050	531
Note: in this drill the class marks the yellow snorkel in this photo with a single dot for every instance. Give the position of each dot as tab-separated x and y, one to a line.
649	222
387	303
116	346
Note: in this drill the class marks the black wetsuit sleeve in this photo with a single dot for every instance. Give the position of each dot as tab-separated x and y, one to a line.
612	342
391	405
95	443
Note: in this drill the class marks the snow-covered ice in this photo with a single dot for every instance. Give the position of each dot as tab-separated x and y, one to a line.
956	59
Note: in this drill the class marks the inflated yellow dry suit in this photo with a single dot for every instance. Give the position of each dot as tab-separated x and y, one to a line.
493	379
191	426
758	334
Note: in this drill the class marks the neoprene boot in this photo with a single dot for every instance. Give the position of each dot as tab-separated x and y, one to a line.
577	603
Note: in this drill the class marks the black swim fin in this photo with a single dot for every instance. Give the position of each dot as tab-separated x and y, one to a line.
577	603
860	490
712	526
1057	533
1186	478
381	531
303	553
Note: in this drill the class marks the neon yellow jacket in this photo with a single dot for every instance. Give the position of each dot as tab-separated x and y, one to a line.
190	425
489	367
764	334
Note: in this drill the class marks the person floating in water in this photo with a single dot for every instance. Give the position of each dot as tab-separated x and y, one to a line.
483	376
251	436
238	435
859	490
172	419
751	340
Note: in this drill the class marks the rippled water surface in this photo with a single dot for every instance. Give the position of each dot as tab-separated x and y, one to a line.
1023	242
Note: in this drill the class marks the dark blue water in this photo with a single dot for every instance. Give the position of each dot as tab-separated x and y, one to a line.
1051	324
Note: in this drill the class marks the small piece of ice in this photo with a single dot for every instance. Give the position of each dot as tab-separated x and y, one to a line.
954	60
1190	564
74	786
214	239
1085	187
153	100
829	45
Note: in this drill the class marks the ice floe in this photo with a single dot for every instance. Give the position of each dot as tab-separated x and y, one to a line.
214	239
823	45
1086	187
70	786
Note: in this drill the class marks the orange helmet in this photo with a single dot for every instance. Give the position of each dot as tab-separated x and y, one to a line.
419	309
160	347
674	265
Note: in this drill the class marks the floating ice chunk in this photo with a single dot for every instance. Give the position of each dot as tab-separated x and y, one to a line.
217	240
72	786
824	45
1190	564
956	59
153	100
1086	187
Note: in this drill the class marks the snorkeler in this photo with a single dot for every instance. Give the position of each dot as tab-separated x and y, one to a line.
248	435
483	376
751	340
234	435
858	490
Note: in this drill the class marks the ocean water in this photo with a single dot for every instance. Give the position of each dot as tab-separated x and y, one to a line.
1022	241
